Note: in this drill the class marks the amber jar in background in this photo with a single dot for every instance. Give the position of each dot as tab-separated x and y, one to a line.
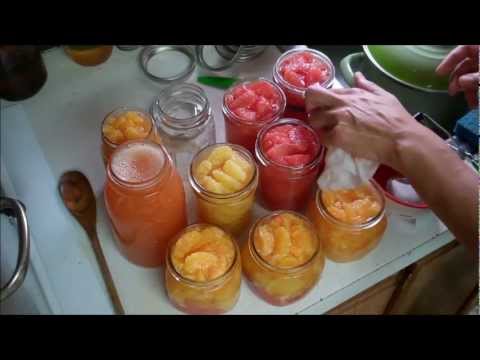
22	72
145	201
342	240
231	209
219	253
89	55
283	285
122	125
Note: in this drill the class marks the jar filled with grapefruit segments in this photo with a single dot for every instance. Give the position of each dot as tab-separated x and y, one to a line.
224	179
297	69
289	157
283	258
145	201
203	270
350	222
124	124
248	106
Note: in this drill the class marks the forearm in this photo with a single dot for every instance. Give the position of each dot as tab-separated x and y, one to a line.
451	190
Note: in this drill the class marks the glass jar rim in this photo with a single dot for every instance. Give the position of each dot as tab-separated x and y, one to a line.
287	271
365	225
262	158
157	109
158	177
199	189
204	284
122	110
230	114
301	90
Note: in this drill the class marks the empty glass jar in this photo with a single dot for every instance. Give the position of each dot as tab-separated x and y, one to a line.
185	122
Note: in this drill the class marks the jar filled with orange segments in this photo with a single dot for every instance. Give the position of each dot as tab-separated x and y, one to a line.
283	258
350	222
124	124
203	270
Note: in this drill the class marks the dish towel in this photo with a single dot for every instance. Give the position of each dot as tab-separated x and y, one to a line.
344	171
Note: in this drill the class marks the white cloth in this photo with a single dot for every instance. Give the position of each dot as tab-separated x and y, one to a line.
343	171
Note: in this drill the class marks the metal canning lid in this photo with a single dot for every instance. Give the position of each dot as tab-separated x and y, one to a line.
167	63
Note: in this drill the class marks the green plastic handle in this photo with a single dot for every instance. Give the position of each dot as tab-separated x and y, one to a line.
220	82
348	66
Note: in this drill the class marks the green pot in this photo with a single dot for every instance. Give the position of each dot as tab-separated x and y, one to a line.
408	72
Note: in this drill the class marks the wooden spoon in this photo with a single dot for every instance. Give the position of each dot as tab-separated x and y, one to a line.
78	197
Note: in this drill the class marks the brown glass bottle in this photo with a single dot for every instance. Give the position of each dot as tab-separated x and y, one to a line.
22	72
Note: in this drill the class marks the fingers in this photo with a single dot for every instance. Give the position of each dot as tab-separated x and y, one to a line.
362	83
319	97
462	68
455	57
469	82
322	121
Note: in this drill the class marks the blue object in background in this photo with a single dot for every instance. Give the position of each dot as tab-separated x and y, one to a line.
466	130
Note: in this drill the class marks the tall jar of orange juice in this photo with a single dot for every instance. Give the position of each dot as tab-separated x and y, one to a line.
145	200
123	124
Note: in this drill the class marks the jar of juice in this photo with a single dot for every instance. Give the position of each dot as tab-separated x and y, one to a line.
185	122
224	178
145	201
289	157
350	222
203	270
248	106
89	55
124	124
297	69
283	258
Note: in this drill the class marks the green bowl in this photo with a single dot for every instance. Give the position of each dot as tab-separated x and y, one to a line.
412	65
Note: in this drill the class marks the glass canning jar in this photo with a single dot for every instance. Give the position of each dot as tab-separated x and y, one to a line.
203	296
122	124
282	285
241	124
342	240
231	210
145	201
288	187
295	93
185	122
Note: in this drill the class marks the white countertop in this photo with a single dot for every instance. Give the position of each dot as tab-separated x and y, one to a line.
59	129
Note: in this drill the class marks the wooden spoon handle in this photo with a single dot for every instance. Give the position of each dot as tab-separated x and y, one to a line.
107	276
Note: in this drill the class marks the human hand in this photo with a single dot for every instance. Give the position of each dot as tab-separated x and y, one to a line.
365	121
462	65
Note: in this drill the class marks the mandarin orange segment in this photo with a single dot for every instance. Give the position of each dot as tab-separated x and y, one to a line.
226	167
128	126
285	241
203	255
352	206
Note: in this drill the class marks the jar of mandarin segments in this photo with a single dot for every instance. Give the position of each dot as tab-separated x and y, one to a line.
124	124
203	270
350	223
283	258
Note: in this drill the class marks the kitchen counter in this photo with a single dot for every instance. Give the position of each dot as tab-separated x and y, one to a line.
59	129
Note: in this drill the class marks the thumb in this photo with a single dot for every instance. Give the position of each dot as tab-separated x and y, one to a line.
362	83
